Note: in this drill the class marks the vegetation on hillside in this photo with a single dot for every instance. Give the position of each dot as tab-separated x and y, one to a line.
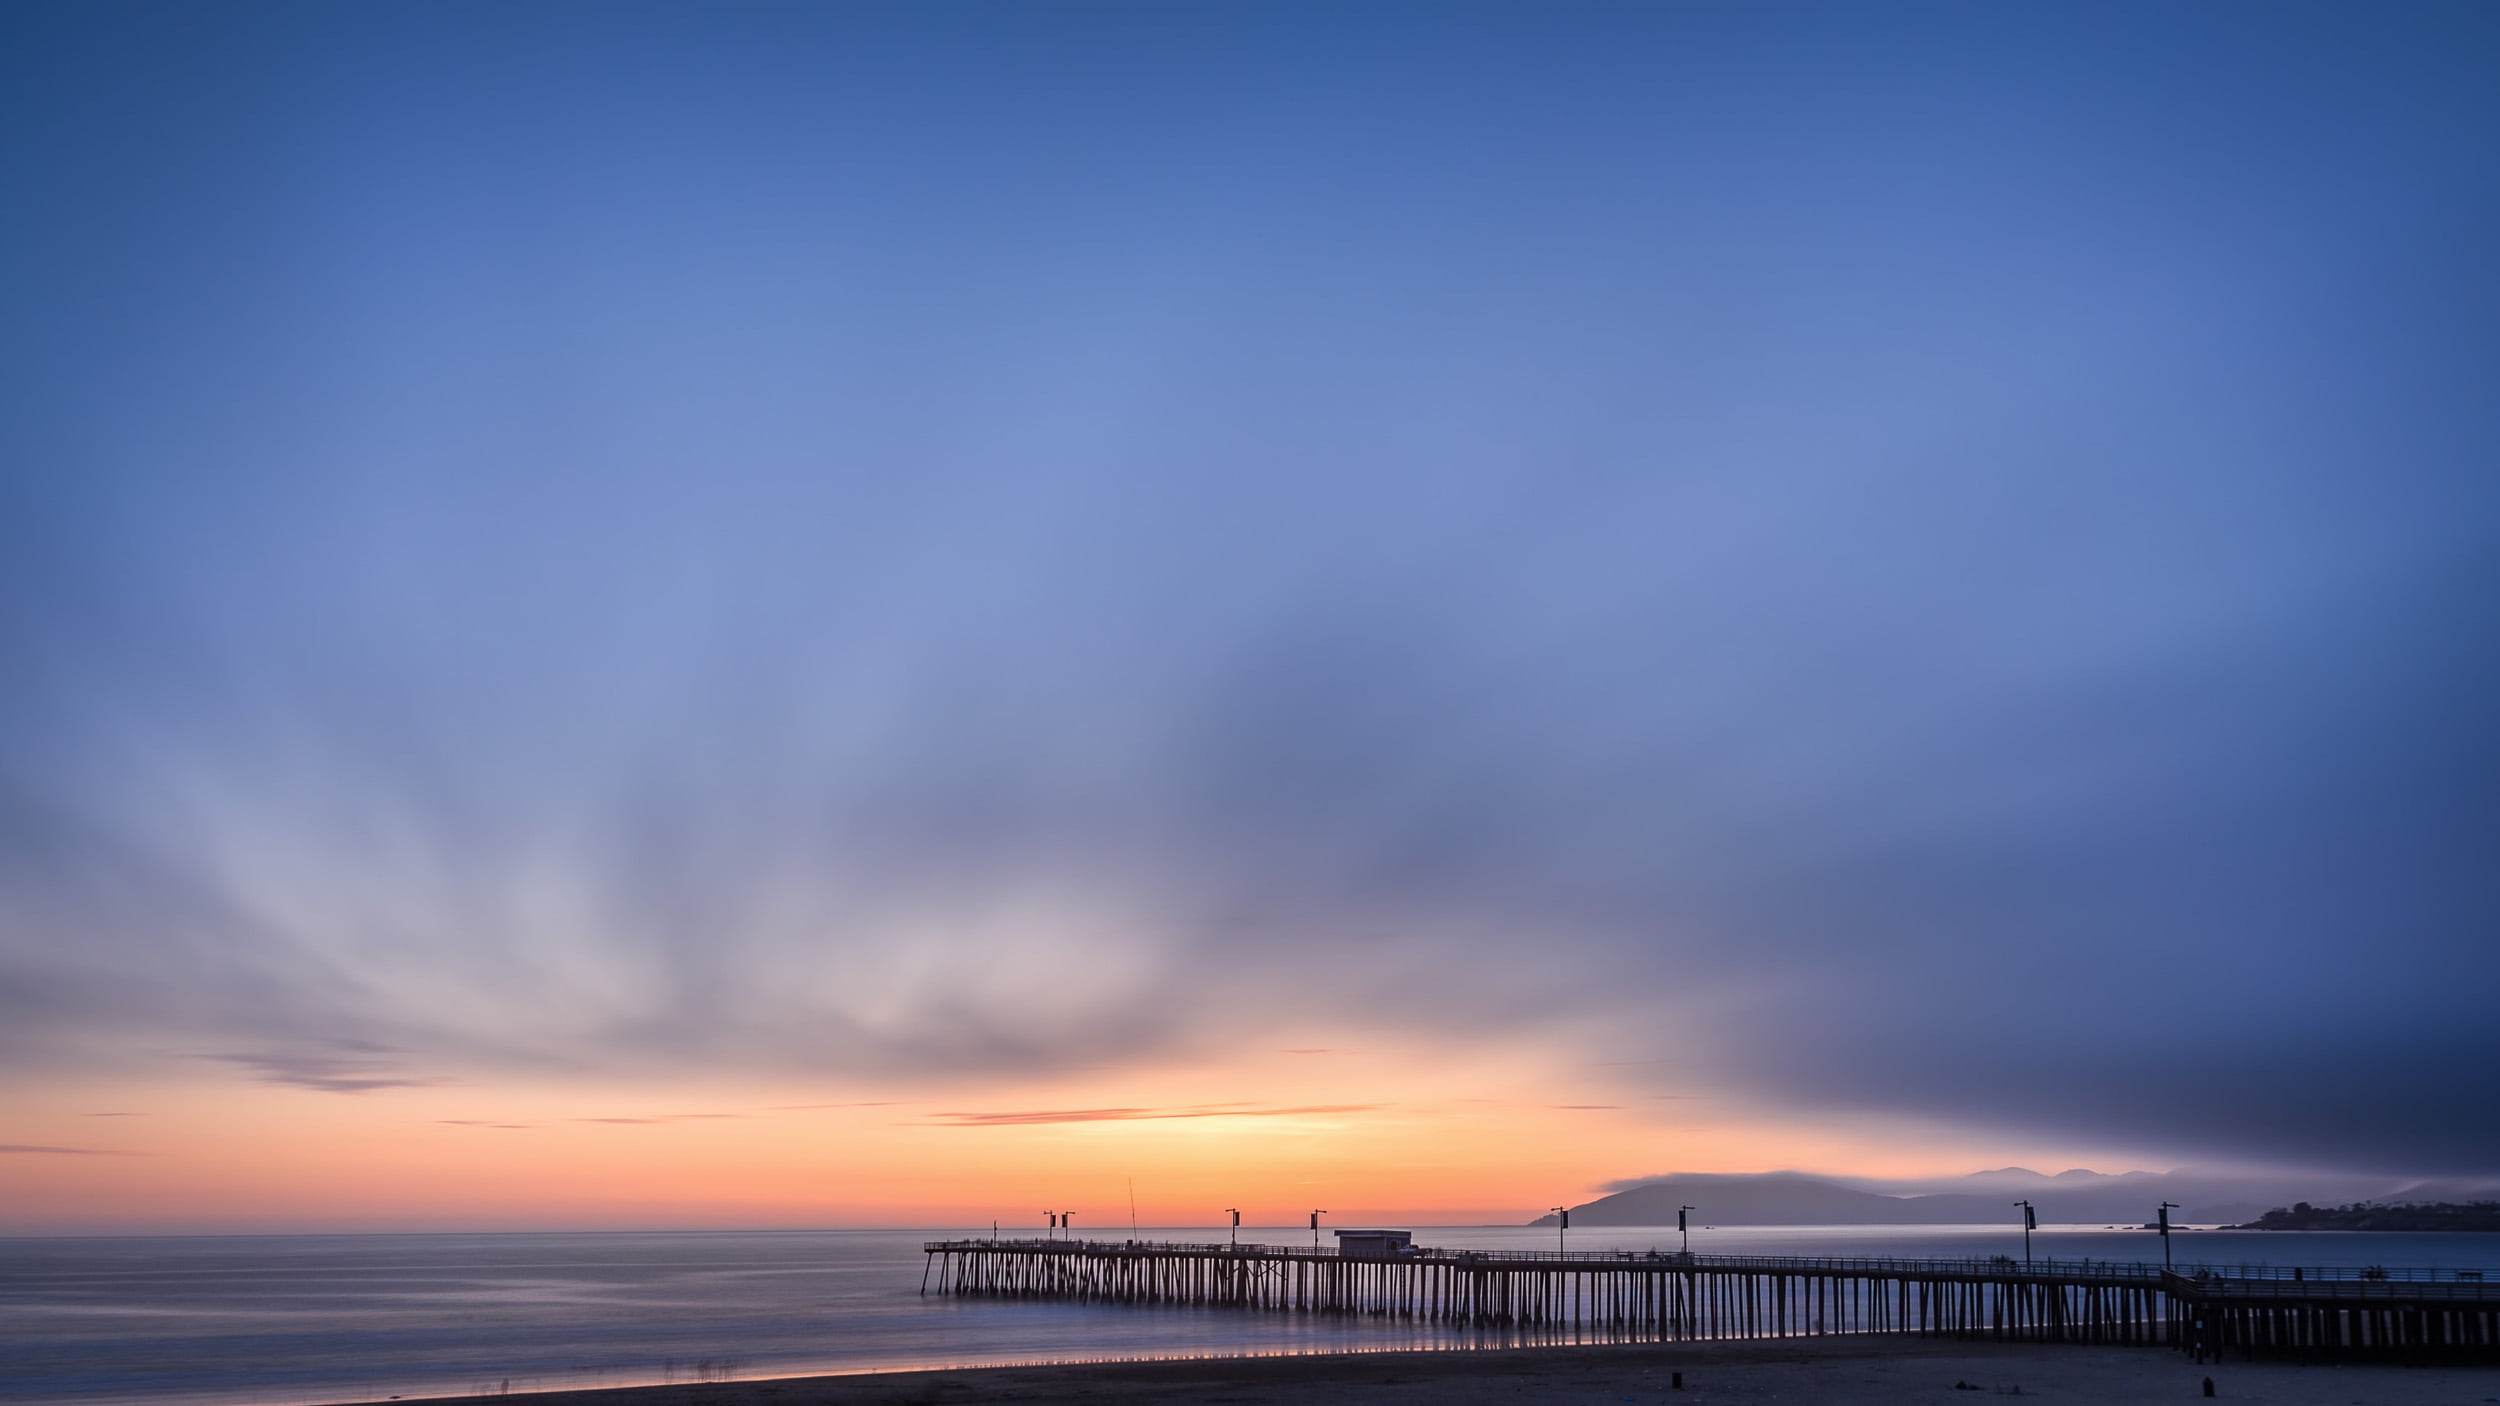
2374	1215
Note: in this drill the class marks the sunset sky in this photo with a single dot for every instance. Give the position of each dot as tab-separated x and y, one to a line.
900	614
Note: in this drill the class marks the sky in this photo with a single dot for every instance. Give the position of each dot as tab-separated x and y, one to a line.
899	614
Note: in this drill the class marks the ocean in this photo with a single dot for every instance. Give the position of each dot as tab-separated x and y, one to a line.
290	1320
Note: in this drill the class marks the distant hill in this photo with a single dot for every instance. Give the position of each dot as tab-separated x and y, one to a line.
2473	1215
1788	1198
1744	1200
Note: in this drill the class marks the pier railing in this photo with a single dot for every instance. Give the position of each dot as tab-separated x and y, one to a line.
1988	1266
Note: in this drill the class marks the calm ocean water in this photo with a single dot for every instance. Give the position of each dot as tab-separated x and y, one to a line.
247	1320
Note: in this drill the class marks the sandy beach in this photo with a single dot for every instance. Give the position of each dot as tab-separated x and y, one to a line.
1846	1372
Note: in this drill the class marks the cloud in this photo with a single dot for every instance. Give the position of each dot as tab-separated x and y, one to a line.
1913	640
36	1149
1125	1115
338	1067
481	1123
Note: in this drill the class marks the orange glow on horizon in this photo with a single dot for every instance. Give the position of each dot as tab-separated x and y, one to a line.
1416	1136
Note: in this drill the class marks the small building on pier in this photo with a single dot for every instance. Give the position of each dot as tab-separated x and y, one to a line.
1375	1244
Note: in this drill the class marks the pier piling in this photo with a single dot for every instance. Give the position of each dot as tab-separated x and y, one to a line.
2416	1315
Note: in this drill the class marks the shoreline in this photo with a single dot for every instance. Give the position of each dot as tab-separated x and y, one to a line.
1869	1370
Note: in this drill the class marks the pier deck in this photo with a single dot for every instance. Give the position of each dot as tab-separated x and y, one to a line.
1630	1294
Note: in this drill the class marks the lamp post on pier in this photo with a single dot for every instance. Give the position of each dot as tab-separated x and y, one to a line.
1236	1215
2031	1222
1315	1215
2164	1215
1561	1224
1684	1226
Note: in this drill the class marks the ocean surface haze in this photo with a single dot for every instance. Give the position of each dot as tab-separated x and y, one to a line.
273	1320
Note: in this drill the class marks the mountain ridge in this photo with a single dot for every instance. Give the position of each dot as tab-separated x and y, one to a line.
2077	1196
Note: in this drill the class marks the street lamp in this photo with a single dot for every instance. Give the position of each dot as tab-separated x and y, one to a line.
1684	1226
1236	1214
2164	1213
1315	1215
1561	1225
2031	1222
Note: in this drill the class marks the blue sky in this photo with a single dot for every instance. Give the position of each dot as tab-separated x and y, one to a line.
1930	561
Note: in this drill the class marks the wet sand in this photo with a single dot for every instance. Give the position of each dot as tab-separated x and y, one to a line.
1841	1371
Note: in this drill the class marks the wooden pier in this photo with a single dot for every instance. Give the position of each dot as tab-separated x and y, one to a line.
1654	1296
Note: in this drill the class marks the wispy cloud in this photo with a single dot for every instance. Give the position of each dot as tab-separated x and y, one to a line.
660	1118
1127	1115
39	1150
330	1067
482	1123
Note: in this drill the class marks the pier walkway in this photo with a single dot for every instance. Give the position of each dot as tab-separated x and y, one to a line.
1652	1295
